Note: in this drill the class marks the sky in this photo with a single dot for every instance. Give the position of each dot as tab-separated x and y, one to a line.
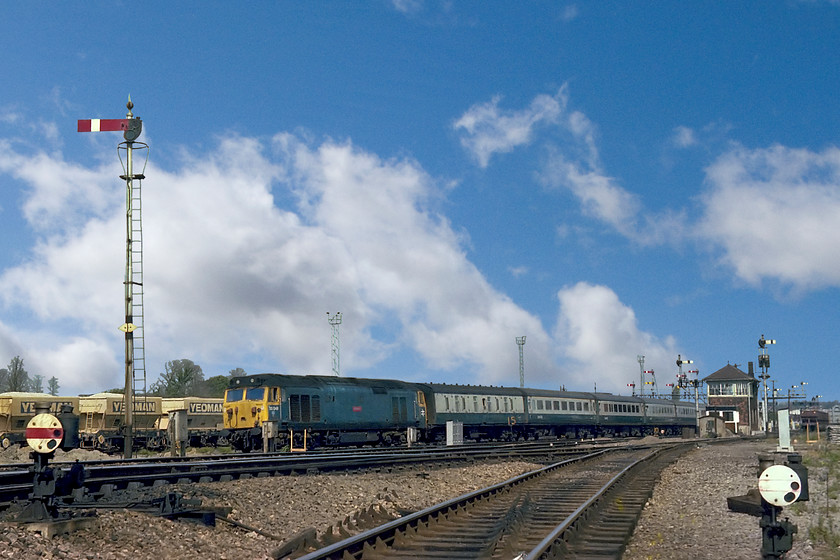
608	179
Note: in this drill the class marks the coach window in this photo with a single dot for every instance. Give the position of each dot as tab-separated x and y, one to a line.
586	407
579	406
539	405
556	405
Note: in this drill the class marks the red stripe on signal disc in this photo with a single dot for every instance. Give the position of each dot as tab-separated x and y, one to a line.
44	433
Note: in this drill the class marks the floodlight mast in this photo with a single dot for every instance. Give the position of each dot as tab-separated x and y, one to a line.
641	360
335	321
131	127
520	341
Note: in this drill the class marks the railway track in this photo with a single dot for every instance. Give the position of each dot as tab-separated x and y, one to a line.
583	507
112	475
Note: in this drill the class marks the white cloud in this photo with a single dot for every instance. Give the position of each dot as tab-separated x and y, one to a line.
569	13
684	137
775	213
233	279
599	195
574	164
518	271
601	338
486	129
407	6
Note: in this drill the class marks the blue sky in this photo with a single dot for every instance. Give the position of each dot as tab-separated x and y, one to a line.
609	179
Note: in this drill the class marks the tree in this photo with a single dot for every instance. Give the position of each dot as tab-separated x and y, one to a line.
53	386
182	378
18	378
4	380
215	386
37	384
238	372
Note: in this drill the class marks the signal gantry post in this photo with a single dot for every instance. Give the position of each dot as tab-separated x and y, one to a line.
764	364
135	361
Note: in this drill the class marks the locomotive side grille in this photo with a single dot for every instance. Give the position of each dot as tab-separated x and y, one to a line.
399	409
294	408
316	408
303	408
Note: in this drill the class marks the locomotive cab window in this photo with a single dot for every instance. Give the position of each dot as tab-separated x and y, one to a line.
233	395
274	394
255	394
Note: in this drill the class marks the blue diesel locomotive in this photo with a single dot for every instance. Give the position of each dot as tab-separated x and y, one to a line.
334	411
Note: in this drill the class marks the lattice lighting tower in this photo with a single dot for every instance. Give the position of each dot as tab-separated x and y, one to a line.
641	360
135	351
335	321
520	341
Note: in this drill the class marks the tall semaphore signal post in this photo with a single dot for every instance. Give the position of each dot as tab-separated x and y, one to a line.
135	352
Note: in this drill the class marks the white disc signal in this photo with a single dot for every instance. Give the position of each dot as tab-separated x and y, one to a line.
779	485
44	433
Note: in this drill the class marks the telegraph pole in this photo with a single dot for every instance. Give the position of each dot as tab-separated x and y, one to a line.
131	127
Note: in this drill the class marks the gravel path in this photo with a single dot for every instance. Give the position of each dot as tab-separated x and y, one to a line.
687	517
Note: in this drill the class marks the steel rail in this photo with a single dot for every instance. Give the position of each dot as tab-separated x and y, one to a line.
554	545
117	475
355	546
403	537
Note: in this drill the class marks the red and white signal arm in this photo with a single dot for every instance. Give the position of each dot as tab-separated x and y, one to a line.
44	433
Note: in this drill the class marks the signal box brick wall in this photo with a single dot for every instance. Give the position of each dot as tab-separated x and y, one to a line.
734	395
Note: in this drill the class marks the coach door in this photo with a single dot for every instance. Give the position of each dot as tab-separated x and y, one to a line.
421	405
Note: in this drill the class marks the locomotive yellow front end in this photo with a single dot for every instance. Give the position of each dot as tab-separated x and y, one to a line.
245	410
